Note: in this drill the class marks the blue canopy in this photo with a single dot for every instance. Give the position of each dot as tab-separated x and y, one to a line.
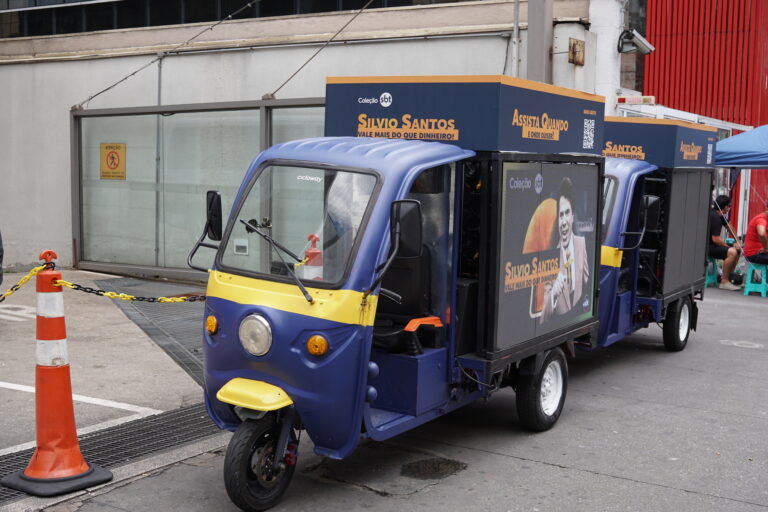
748	150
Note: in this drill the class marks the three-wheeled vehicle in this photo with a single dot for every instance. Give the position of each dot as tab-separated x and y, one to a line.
657	192
365	284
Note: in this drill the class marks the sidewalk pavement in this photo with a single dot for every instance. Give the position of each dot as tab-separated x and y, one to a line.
118	373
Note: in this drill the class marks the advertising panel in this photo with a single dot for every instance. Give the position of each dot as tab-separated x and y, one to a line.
547	251
663	142
482	113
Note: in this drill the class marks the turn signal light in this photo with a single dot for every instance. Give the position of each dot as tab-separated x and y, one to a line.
317	345
211	324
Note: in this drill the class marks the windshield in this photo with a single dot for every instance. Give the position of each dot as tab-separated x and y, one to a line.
310	213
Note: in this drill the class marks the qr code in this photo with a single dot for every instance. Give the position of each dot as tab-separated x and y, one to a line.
589	134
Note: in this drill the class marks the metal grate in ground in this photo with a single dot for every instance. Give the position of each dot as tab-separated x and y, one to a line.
125	443
177	328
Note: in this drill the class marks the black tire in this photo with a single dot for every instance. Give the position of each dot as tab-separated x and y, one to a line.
677	325
537	409
248	489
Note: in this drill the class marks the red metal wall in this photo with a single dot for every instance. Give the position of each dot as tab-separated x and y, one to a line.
711	59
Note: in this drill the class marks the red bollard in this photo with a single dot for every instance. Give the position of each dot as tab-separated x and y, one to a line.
57	466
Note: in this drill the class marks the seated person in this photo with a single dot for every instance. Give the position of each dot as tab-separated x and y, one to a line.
756	239
718	249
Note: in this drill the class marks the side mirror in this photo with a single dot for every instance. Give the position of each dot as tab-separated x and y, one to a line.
213	222
651	212
405	228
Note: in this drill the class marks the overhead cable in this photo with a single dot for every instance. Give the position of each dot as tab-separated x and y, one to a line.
173	50
271	95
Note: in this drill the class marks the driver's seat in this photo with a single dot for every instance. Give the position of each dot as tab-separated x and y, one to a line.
396	325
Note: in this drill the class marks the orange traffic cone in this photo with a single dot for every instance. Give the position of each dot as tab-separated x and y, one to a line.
57	466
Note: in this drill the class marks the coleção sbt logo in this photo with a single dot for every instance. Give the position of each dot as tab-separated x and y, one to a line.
385	99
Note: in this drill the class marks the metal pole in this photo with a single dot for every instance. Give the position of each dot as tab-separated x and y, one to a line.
516	42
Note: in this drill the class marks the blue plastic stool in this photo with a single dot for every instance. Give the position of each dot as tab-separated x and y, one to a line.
760	287
712	279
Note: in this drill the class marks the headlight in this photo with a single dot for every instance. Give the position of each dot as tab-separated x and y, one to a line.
255	335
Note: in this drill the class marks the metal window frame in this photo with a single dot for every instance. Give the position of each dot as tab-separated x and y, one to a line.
266	108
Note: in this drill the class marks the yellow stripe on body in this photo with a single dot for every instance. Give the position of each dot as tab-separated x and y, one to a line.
610	256
343	306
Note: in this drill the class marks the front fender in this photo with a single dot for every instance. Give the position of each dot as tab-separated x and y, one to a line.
253	394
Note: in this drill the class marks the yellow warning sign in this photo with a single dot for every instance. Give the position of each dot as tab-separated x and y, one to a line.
112	161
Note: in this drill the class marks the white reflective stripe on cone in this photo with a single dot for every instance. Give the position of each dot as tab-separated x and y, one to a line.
50	304
52	353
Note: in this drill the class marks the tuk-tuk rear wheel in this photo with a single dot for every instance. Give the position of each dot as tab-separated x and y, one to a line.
540	397
253	478
677	325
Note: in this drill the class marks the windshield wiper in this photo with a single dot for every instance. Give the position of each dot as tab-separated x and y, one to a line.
251	228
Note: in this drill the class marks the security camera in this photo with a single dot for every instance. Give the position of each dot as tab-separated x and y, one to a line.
630	41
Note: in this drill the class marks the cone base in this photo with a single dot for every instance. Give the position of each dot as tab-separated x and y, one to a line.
56	486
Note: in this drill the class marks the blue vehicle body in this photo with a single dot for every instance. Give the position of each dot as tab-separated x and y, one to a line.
617	307
329	395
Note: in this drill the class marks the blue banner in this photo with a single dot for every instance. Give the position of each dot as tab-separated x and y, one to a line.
662	142
481	113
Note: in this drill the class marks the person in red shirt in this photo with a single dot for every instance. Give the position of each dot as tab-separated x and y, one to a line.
756	239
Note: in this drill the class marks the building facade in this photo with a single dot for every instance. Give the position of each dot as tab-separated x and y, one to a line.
118	121
712	60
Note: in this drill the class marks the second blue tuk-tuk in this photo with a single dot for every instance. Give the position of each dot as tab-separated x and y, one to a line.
657	193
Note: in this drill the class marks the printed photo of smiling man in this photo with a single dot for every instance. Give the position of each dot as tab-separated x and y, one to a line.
567	289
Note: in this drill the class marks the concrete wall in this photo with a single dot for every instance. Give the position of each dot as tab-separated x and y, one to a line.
41	78
606	23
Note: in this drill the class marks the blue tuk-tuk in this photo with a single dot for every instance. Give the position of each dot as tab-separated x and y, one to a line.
364	286
657	192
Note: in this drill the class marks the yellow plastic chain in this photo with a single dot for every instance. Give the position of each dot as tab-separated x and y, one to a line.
115	295
32	273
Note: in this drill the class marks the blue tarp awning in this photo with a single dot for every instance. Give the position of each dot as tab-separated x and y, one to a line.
745	150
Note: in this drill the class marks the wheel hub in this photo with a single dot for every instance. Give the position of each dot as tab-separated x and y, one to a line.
263	466
551	388
684	321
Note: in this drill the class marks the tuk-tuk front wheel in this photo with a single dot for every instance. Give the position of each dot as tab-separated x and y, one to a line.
540	397
255	480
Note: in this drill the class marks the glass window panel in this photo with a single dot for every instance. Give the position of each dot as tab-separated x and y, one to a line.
196	11
231	6
201	151
10	25
131	13
39	23
276	8
100	17
308	6
297	123
165	13
119	216
358	4
68	20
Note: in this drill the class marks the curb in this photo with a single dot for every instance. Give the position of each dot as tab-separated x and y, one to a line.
128	472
